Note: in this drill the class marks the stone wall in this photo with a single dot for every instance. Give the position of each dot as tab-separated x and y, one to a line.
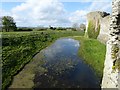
111	76
94	20
104	29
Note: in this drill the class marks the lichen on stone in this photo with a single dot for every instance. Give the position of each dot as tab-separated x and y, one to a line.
117	64
114	51
114	55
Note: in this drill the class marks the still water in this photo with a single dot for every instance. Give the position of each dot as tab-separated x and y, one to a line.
64	69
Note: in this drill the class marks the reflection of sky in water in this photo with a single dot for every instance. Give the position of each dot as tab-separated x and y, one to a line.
65	66
62	48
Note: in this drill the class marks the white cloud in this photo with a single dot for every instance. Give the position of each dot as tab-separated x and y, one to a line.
40	12
100	6
79	16
61	0
52	12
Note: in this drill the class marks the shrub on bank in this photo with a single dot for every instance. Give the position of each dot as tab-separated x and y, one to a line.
19	49
24	29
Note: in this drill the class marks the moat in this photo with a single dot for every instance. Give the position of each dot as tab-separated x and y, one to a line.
64	68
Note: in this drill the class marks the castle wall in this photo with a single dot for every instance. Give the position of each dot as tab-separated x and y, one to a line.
111	76
94	22
104	29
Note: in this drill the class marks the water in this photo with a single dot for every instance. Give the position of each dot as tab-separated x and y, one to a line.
64	68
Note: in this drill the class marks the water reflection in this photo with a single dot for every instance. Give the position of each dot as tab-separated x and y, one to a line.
64	68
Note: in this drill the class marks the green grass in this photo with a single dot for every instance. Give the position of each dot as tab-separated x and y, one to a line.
18	48
93	53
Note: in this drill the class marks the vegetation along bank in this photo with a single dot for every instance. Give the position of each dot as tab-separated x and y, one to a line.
18	48
93	53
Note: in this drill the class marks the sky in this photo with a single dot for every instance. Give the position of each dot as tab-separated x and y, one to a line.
32	13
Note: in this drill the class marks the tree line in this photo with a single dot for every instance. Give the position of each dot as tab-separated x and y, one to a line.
8	24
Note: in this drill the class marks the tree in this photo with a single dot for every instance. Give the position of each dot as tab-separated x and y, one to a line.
8	23
82	27
75	26
52	28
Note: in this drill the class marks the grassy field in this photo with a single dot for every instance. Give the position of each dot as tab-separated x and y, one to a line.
93	53
18	48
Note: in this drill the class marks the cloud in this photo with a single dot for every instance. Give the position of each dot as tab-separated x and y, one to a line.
62	0
79	16
52	12
40	12
101	6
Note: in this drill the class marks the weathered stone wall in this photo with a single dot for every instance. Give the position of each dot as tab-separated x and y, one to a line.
111	77
94	23
104	29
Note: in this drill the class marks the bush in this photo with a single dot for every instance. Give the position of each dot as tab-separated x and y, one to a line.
24	29
17	51
60	28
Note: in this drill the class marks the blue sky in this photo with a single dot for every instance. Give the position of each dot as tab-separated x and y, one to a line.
7	6
51	12
73	6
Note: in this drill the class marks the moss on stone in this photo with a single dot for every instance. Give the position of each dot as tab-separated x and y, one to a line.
92	33
117	64
86	35
114	54
113	67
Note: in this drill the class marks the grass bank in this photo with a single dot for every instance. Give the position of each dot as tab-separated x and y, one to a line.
18	48
93	53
